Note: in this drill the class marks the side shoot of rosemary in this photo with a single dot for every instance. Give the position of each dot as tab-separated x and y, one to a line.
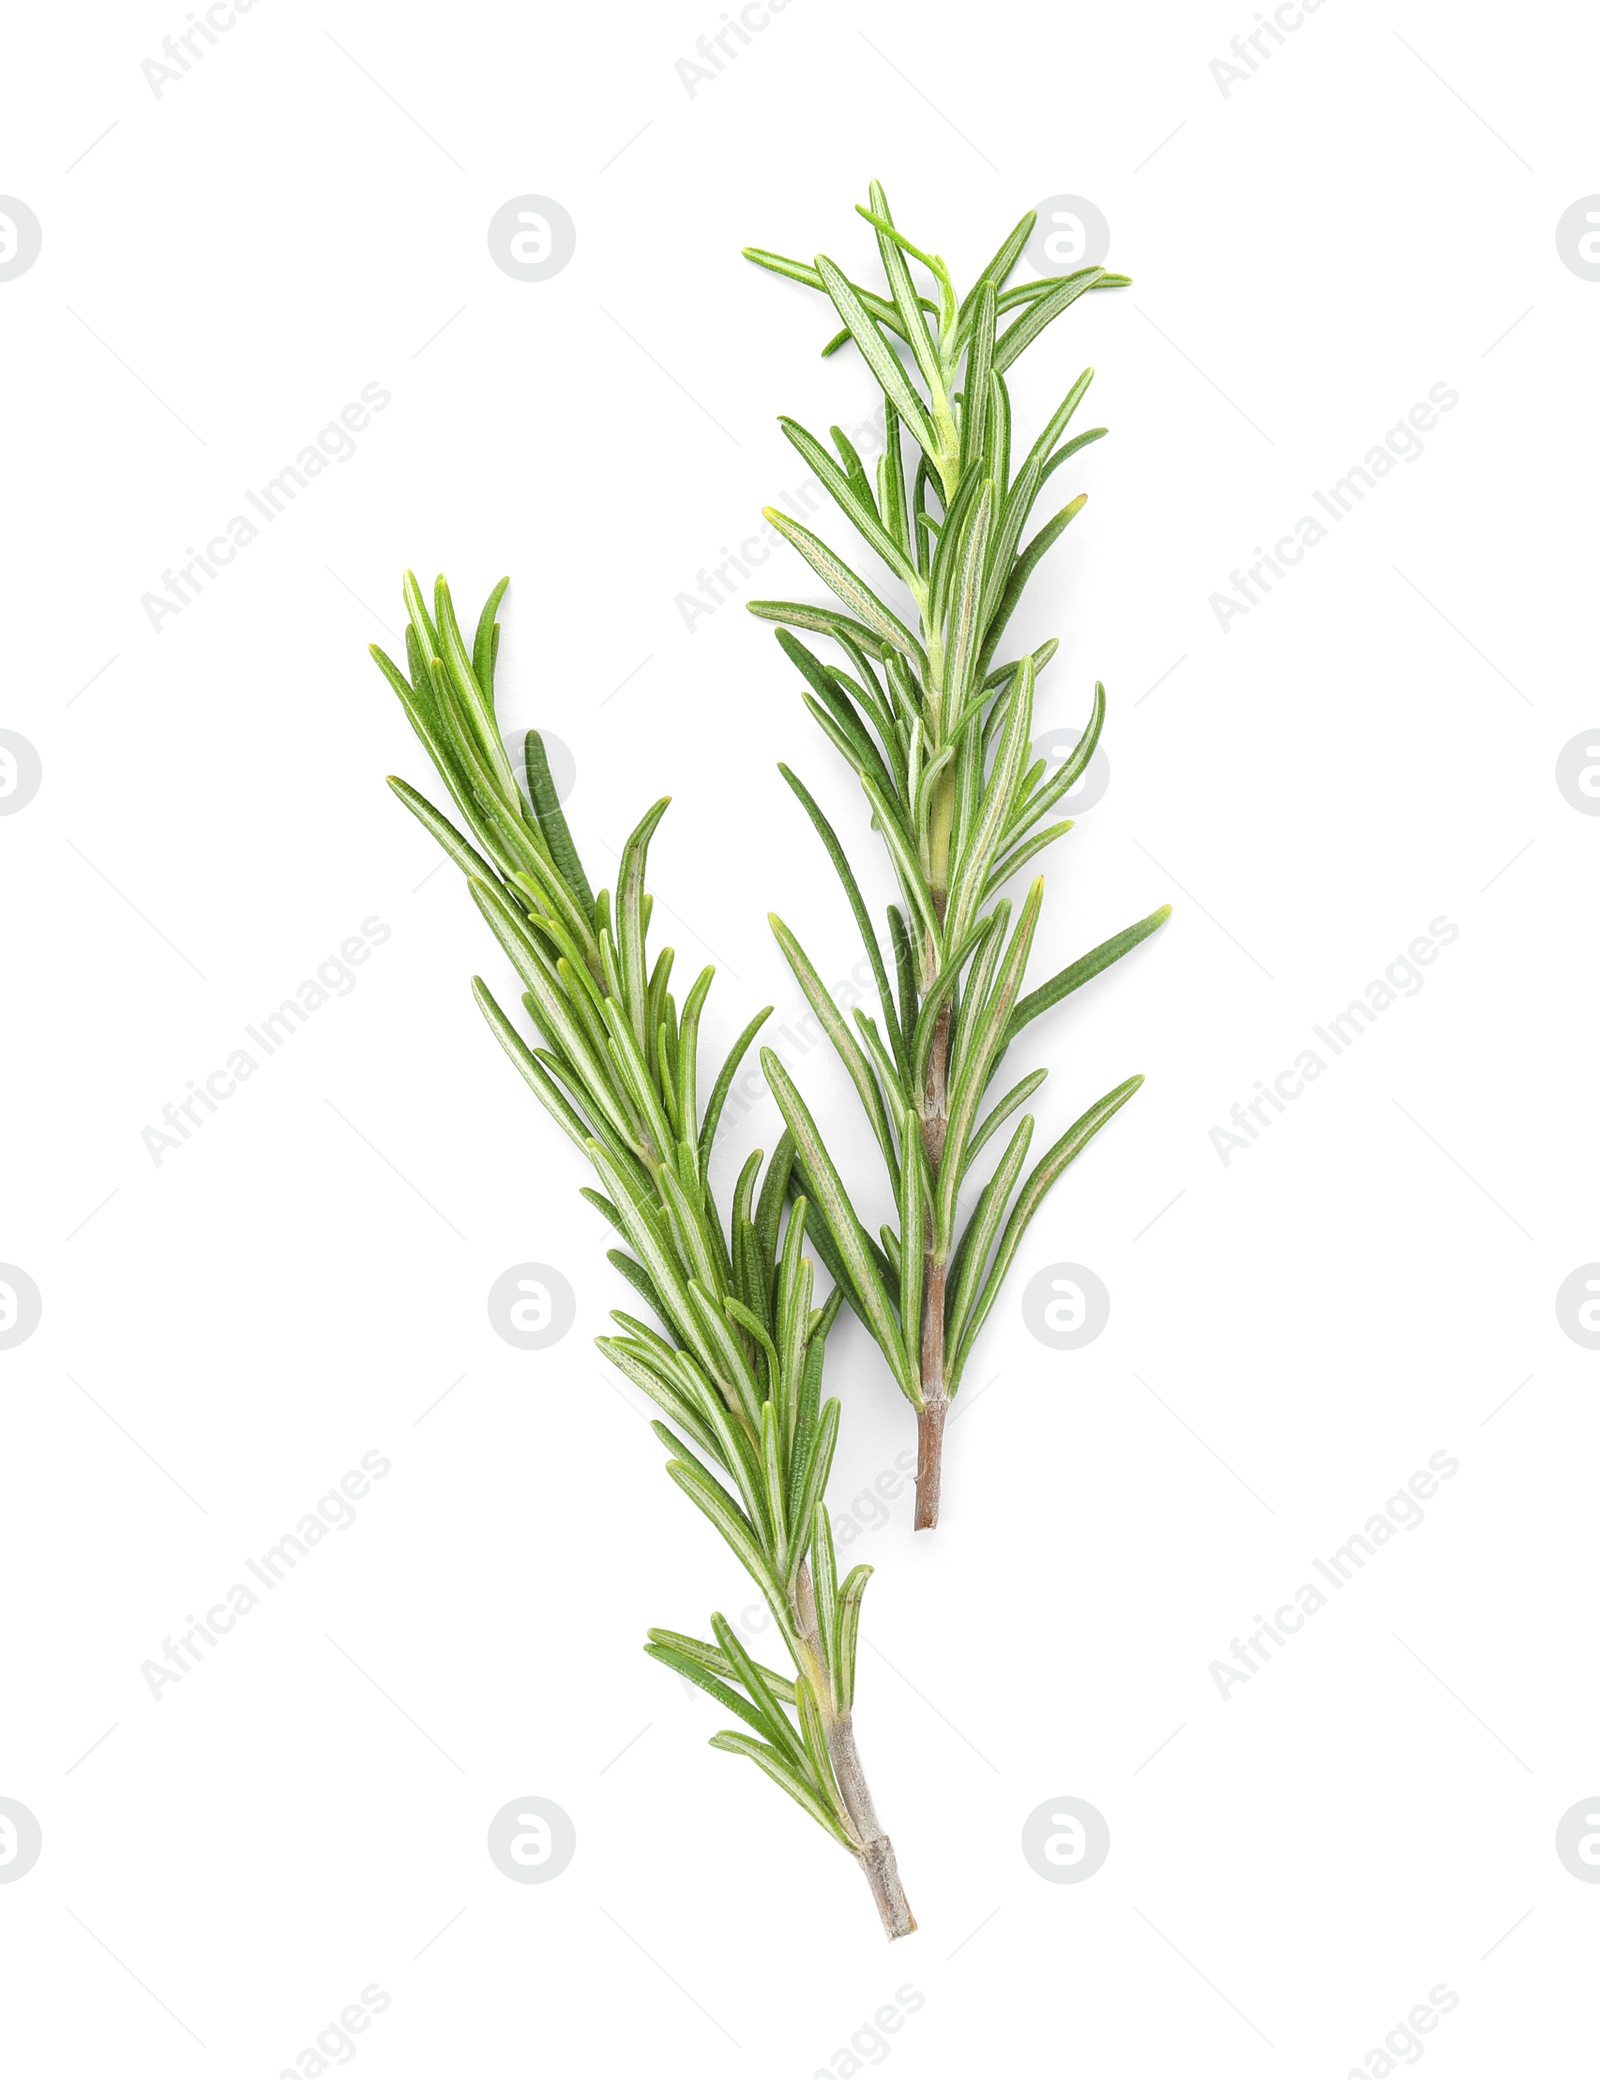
733	1357
939	735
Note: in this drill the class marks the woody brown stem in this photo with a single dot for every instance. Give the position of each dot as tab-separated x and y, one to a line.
877	1860
930	1462
874	1851
876	1855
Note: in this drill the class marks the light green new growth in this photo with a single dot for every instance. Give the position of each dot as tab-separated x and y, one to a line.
735	1364
940	738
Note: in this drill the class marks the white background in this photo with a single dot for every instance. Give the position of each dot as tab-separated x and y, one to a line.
1292	1334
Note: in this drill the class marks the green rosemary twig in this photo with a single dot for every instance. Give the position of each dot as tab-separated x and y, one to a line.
939	736
736	1362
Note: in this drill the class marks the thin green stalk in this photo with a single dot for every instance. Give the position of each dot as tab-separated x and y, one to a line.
735	1364
951	785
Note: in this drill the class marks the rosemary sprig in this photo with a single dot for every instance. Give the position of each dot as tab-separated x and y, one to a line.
939	736
735	1364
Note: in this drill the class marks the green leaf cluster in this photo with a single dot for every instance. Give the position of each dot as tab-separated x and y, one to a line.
939	735
733	1357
